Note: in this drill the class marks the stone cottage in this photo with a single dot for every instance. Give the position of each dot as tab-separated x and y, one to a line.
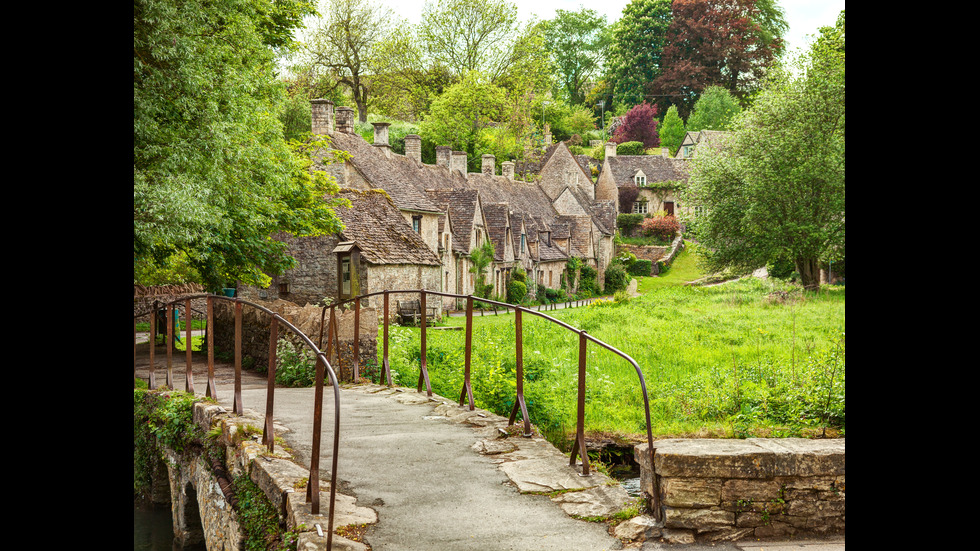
652	175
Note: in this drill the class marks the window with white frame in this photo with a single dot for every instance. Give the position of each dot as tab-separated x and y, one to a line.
640	179
640	207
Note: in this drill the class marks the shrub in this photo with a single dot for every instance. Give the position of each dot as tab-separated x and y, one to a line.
640	267
660	227
628	222
630	148
516	291
588	280
616	278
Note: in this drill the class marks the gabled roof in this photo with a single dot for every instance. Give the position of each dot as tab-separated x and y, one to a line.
376	226
462	206
498	220
656	168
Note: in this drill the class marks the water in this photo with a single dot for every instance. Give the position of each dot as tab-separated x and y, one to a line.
153	530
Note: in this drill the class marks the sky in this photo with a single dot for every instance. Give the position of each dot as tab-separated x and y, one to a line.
804	16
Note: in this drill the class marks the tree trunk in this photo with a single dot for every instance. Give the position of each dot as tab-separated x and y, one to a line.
809	270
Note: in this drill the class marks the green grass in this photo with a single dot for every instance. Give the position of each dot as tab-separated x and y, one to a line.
730	360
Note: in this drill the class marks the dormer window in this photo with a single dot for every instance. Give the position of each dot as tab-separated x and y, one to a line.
417	223
640	179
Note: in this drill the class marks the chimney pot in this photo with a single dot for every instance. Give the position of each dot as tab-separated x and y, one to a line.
381	133
507	168
610	149
489	166
345	120
322	112
443	155
458	162
413	147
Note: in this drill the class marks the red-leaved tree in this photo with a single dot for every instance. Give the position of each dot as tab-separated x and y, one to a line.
712	43
660	227
639	124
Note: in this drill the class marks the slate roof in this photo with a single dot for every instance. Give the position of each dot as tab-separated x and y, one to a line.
461	205
374	223
657	168
498	220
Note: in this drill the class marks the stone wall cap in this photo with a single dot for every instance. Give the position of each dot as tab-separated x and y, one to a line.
748	458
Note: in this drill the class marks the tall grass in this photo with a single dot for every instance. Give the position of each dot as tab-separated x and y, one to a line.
745	358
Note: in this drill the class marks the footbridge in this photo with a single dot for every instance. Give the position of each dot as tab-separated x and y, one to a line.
370	422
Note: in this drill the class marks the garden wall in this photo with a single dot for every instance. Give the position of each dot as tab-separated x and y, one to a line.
255	332
656	255
727	490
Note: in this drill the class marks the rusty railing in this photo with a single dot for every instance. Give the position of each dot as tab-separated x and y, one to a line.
466	393
268	433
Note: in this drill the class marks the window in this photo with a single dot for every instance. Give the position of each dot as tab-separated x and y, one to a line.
417	223
522	243
345	276
640	179
640	207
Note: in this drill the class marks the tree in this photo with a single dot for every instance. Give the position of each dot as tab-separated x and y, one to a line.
577	41
672	131
343	43
459	115
713	43
714	110
636	47
213	177
639	124
776	190
480	258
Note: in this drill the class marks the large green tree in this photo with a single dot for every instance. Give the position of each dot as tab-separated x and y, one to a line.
634	56
714	110
776	189
577	41
213	177
459	116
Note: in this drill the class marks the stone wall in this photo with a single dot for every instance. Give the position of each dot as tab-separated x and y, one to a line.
656	255
255	333
727	490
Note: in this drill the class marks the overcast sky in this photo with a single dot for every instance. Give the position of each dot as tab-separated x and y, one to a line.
804	16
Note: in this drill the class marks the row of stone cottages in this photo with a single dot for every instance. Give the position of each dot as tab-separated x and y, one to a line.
413	226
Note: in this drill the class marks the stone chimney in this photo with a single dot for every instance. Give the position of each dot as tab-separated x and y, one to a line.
345	120
413	147
610	149
443	155
547	134
381	137
322	111
666	152
458	162
507	168
489	164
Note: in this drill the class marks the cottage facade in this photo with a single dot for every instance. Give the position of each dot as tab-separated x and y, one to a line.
656	178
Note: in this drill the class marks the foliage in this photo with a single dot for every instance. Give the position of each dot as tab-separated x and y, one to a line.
262	529
342	46
639	124
640	267
616	278
212	175
588	280
459	115
662	228
630	148
516	291
713	43
576	41
672	131
627	222
480	258
637	44
295	365
716	109
778	188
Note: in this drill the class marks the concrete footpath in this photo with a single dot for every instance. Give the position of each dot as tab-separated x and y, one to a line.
441	477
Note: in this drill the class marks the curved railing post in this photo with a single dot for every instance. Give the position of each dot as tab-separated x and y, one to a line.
268	431
423	371
189	377
212	391
579	446
384	362
237	403
152	380
170	345
357	340
467	353
519	357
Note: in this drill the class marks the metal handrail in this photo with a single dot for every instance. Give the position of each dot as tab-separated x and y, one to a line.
268	433
578	448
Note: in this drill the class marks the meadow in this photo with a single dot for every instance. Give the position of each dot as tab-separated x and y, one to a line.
745	358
